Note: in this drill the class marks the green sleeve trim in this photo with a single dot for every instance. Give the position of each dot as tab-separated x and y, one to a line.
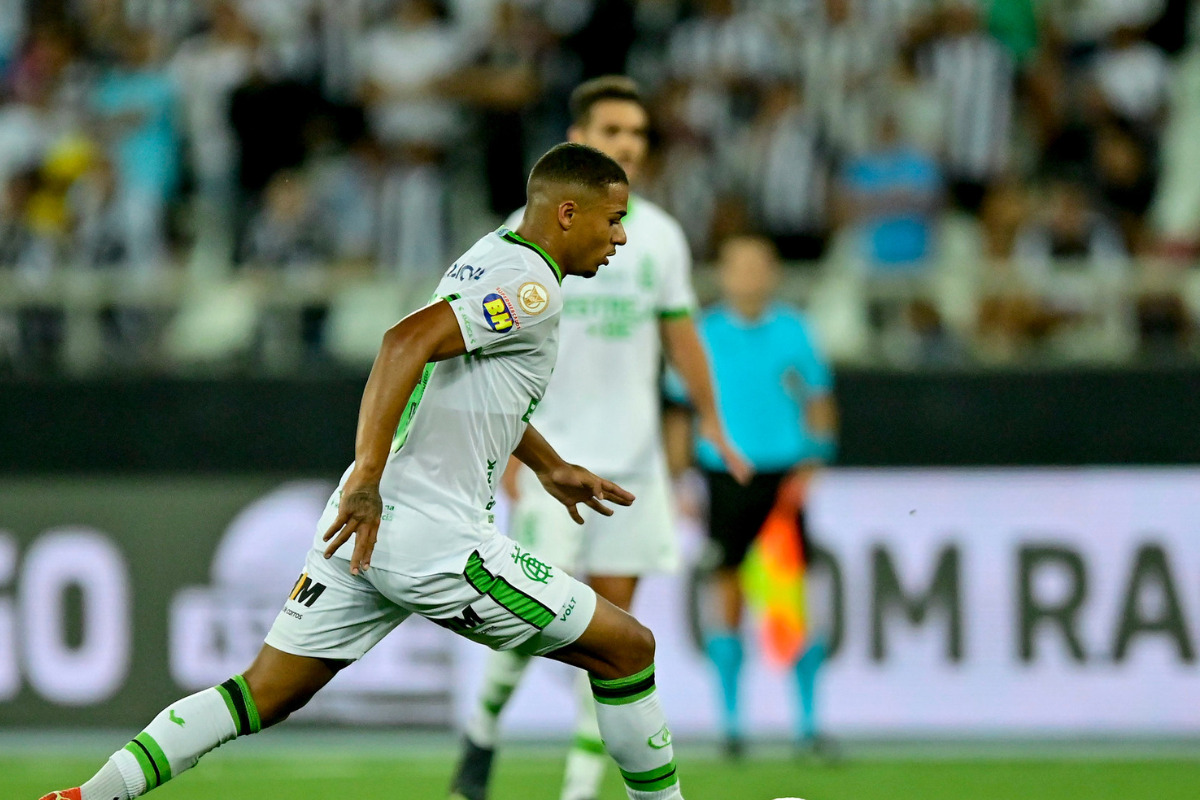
653	780
143	760
251	708
516	238
675	313
512	599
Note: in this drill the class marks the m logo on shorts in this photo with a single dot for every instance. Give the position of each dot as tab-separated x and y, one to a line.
469	619
533	568
306	591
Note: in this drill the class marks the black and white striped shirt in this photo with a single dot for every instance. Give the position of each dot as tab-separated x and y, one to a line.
975	75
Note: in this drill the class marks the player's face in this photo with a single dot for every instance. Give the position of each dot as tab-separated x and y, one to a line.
597	231
749	272
617	128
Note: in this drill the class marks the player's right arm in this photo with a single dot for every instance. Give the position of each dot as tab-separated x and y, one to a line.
569	484
431	334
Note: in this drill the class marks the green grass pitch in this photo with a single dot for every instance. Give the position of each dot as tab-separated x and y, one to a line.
535	776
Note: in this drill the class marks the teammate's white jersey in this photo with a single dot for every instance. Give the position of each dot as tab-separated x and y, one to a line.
468	414
602	406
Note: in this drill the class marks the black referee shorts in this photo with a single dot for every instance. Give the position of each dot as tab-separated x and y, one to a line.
736	513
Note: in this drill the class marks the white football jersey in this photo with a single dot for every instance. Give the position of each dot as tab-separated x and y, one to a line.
467	414
602	407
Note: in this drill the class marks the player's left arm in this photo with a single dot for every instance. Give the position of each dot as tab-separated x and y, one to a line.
820	417
430	334
570	484
682	344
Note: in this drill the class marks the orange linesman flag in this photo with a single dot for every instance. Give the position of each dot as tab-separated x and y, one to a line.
772	578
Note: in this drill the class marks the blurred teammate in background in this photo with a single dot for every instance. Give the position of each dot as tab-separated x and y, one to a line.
602	405
410	528
776	395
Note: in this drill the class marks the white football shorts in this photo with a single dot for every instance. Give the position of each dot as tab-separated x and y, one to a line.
505	597
634	541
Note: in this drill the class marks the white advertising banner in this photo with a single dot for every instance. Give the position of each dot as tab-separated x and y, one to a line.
960	602
965	602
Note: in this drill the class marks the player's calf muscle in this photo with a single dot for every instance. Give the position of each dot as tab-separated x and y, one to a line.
282	684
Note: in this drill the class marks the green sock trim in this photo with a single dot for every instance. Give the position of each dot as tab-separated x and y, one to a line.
158	759
143	761
622	691
617	683
233	712
589	744
251	708
624	700
493	707
652	780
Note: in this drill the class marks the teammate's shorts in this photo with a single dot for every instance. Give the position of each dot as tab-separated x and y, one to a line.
505	597
634	541
736	513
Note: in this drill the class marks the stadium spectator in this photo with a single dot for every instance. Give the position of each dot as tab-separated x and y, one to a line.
842	61
1131	82
289	237
1072	256
30	337
890	197
783	167
403	61
207	67
136	105
975	73
287	233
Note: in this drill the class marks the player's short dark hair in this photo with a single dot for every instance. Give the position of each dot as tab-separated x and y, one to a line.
577	165
606	87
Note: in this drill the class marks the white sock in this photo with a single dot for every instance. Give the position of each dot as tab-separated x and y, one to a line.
503	672
112	781
635	733
175	740
587	759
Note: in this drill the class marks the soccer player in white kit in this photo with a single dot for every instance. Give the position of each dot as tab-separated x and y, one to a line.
636	308
410	529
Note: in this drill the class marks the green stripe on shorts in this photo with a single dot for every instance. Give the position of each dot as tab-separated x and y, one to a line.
512	599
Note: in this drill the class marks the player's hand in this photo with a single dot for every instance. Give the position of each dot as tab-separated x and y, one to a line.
572	485
359	512
793	490
735	463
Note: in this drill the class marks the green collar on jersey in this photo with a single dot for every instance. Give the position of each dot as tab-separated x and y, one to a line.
515	238
633	200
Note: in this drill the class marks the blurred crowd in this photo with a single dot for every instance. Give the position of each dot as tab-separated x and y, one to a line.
979	177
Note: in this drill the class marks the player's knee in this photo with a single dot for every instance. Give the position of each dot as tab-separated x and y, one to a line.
639	648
